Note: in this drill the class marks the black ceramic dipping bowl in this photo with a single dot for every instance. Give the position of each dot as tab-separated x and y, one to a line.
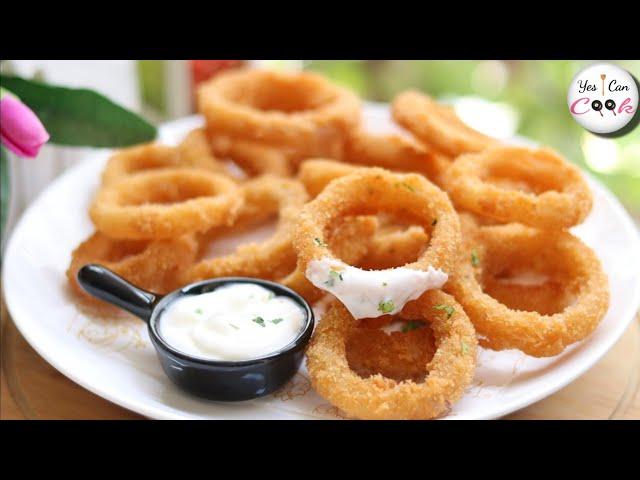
220	380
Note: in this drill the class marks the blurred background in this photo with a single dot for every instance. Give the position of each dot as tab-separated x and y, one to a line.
500	98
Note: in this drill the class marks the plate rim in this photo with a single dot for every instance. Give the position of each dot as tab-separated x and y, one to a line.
151	411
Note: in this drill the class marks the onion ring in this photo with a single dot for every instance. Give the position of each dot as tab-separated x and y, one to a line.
303	110
500	250
437	125
165	203
365	192
152	265
315	174
555	194
450	370
194	152
275	257
253	157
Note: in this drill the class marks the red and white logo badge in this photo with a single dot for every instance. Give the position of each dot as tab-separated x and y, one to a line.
603	98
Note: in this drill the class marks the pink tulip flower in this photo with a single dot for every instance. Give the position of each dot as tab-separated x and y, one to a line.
20	130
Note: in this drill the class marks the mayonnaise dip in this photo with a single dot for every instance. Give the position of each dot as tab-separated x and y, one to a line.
372	293
239	321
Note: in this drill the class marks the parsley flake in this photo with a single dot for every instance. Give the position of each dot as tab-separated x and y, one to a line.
386	306
319	242
333	276
276	321
259	321
448	309
198	311
464	347
234	326
475	260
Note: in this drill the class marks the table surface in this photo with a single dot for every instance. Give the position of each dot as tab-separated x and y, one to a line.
32	389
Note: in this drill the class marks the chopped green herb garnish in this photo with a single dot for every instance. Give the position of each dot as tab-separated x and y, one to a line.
276	321
259	321
448	309
386	306
333	276
384	284
475	261
435	220
464	347
234	326
406	185
412	325
319	242
199	311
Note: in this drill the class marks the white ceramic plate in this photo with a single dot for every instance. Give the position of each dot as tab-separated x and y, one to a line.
116	360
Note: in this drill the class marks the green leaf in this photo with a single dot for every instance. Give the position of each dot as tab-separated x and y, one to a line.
80	117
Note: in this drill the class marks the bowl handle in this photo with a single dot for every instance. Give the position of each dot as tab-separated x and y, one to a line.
102	283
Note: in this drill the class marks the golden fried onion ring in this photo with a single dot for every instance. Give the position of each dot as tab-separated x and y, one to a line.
371	190
192	152
505	249
165	203
437	125
376	397
150	264
275	257
515	184
316	173
286	109
253	157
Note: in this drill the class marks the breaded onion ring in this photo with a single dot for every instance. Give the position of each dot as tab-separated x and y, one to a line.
499	251
369	191
152	265
390	151
437	125
193	152
450	370
515	184
317	173
273	258
253	157
165	203
303	110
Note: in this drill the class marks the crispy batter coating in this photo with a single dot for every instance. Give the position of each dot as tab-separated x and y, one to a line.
376	397
193	152
273	258
150	264
301	110
165	203
506	250
437	125
535	187
373	190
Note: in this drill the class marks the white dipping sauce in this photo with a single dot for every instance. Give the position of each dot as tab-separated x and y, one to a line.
372	293
239	321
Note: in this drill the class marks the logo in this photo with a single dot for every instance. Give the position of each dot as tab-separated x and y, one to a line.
603	98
